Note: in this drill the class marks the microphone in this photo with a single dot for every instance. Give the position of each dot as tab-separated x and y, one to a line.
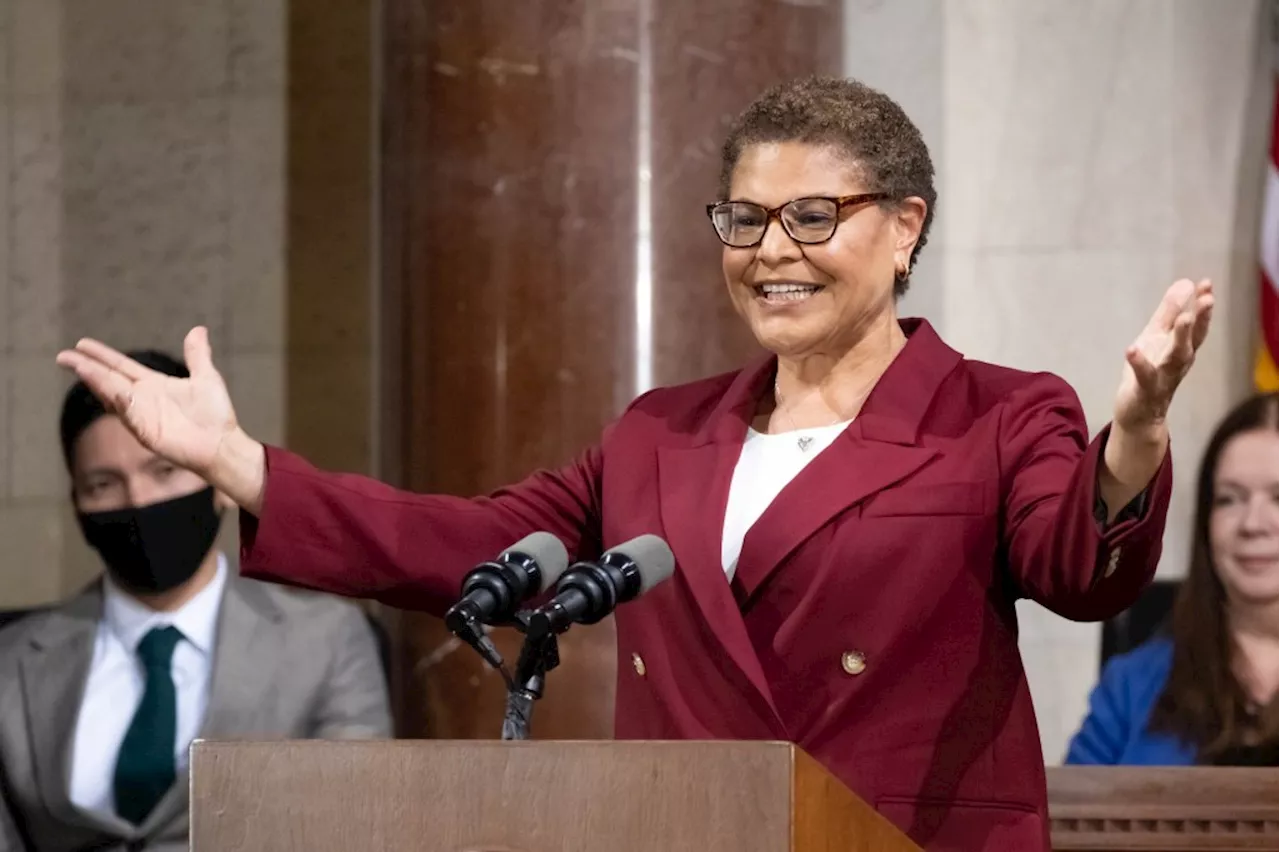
493	591
591	590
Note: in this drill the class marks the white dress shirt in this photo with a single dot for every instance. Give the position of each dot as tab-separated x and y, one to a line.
767	464
116	681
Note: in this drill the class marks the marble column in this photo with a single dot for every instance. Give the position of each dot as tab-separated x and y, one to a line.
547	255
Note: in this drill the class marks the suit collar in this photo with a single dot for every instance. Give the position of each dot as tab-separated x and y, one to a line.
249	627
893	412
728	421
69	621
693	484
54	671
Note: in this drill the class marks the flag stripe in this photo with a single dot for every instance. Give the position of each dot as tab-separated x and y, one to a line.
1268	307
1264	368
1270	238
1264	372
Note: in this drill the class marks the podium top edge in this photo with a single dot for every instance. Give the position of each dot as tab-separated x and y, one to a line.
201	742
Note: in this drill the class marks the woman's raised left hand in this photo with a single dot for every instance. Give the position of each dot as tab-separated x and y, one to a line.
1161	355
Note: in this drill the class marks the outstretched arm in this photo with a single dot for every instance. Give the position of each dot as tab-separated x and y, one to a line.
346	534
1084	521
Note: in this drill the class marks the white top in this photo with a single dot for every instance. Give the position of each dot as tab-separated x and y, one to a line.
767	464
116	680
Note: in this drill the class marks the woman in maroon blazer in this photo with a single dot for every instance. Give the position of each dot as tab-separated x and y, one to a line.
852	516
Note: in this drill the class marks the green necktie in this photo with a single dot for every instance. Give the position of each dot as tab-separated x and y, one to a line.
145	769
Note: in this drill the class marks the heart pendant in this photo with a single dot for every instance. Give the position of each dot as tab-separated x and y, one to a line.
803	443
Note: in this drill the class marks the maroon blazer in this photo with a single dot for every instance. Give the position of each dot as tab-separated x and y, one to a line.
871	620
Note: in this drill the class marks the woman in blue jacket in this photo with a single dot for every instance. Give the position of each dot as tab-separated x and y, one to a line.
1204	690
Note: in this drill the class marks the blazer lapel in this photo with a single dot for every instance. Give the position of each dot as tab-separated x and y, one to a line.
244	661
879	449
850	470
243	670
54	672
693	483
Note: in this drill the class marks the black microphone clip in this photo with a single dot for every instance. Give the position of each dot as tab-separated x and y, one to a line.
493	591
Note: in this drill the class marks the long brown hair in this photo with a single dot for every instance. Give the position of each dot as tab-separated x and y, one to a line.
1203	703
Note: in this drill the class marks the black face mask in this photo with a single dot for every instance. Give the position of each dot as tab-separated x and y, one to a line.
152	549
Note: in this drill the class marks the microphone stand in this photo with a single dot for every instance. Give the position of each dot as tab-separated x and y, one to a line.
539	655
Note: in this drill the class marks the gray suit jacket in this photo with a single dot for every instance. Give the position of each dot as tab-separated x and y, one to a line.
287	665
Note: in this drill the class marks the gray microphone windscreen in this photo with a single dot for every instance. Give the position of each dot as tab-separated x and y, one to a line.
653	558
548	551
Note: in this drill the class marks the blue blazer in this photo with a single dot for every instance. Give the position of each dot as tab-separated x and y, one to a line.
1115	731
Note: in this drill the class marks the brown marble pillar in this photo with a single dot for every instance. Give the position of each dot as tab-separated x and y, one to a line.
546	256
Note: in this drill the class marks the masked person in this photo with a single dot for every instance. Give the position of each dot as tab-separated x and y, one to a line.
101	696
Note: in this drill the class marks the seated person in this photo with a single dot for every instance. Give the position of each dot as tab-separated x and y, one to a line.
1203	691
101	695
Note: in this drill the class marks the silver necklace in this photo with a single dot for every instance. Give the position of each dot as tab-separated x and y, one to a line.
804	442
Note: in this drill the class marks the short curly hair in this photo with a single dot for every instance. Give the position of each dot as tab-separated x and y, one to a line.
858	121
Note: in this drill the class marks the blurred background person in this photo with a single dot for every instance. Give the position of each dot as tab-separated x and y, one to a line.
101	695
1204	690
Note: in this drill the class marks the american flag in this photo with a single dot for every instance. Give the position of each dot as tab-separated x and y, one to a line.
1264	371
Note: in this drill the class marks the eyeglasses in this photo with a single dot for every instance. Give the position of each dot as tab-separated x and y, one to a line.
742	224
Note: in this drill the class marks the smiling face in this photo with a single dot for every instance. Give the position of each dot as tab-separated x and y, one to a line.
1244	524
815	299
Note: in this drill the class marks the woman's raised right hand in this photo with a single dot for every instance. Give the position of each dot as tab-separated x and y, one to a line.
190	422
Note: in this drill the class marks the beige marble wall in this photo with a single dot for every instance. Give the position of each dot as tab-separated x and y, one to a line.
1089	153
1096	151
141	192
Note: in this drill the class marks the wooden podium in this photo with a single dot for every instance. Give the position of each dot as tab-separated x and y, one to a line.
530	796
1154	809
